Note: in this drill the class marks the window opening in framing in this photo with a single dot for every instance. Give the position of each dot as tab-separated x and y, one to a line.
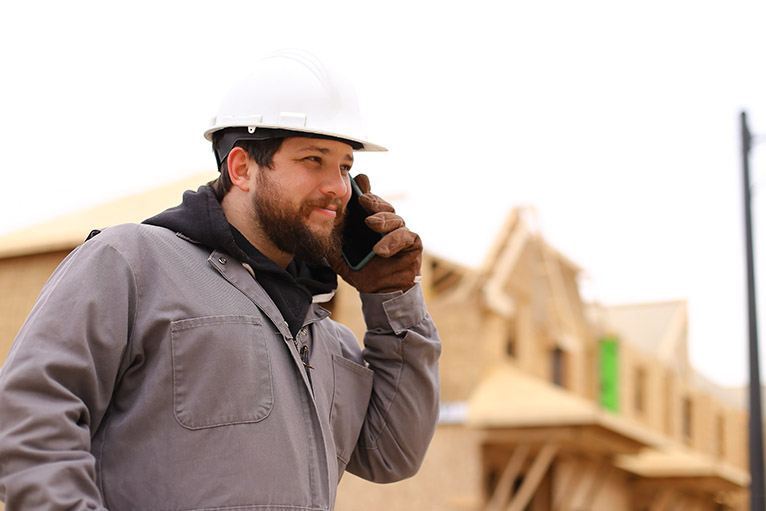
720	436
687	411
557	366
511	345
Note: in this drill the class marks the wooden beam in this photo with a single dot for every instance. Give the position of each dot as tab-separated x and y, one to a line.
564	321
533	477
700	485
600	476
508	257
566	483
581	491
582	484
585	438
504	487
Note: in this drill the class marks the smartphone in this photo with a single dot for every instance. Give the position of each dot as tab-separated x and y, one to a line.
357	239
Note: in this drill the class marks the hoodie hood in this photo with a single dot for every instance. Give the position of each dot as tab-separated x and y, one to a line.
200	218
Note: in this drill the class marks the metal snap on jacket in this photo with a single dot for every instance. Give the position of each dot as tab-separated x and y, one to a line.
222	260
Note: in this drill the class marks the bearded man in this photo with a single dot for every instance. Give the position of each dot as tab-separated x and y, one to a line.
185	363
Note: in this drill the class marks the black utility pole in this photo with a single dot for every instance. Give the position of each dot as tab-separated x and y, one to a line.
757	495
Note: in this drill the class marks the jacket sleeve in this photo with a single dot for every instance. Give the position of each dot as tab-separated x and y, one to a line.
57	381
402	348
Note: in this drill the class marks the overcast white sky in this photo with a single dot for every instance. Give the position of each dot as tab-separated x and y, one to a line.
617	120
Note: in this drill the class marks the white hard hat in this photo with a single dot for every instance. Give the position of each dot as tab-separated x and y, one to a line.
294	92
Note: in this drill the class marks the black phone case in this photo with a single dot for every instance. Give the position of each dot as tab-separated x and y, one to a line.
357	238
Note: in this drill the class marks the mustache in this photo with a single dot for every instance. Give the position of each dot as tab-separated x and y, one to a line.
328	203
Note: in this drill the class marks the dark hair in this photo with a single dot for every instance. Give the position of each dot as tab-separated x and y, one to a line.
261	151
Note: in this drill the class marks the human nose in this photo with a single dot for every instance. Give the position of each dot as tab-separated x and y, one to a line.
336	183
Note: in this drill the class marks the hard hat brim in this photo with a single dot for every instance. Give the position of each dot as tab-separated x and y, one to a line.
264	132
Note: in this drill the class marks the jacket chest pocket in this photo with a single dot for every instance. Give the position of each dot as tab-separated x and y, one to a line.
352	387
221	371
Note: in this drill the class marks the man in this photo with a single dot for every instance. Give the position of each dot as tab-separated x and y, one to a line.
184	364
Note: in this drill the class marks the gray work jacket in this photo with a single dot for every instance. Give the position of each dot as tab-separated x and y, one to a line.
153	374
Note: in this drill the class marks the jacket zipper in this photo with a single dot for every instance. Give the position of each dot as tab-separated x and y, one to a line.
305	357
303	354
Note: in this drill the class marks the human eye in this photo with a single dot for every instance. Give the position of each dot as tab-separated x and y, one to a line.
313	159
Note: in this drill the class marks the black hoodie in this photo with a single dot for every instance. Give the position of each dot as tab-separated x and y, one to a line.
200	218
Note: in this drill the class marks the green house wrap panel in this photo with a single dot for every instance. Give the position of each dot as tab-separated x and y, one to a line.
609	373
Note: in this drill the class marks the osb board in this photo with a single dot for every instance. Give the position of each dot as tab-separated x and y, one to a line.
21	279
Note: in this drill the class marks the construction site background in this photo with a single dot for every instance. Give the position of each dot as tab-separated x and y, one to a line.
548	403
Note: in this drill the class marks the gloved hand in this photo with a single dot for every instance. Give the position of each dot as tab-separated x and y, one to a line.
400	250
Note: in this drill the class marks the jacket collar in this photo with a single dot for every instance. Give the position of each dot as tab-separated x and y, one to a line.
200	217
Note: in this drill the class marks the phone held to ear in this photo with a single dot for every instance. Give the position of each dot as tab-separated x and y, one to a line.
357	238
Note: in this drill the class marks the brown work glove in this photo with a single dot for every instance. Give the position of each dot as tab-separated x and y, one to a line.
400	250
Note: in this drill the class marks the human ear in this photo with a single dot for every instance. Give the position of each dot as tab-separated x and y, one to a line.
239	168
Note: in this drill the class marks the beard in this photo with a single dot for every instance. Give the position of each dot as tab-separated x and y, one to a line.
287	227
